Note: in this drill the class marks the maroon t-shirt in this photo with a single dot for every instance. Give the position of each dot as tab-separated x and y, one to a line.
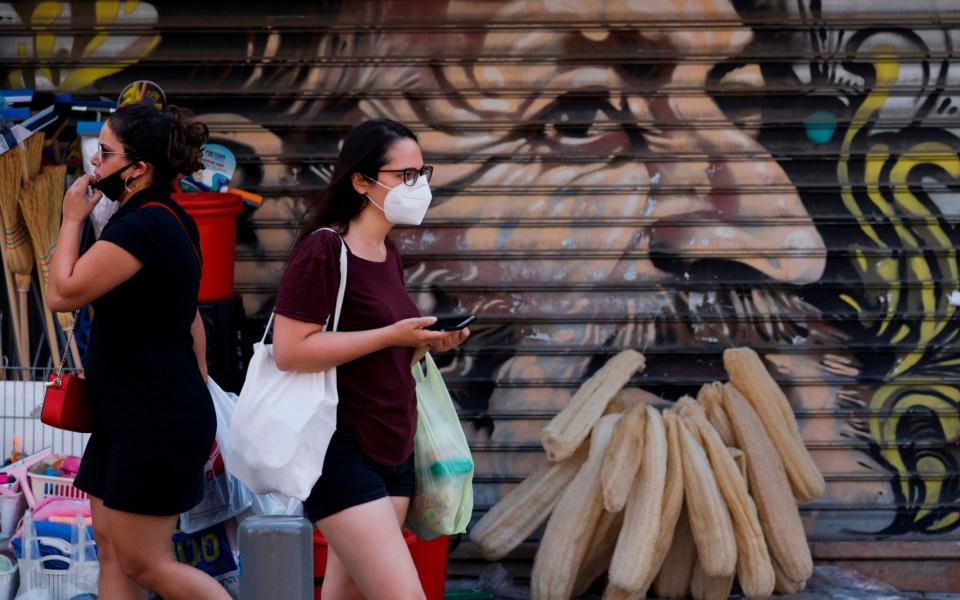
378	401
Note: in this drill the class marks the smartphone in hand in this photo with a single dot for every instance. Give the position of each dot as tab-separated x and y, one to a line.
451	323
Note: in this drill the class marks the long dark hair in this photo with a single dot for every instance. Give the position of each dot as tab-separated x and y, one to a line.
364	151
171	141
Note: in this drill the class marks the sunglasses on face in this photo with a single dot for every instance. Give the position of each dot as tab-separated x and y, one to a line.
102	151
412	175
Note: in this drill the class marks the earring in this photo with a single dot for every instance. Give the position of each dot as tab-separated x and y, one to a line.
126	185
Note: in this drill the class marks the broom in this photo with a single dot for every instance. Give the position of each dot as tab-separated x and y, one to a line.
18	256
48	236
10	175
38	213
34	155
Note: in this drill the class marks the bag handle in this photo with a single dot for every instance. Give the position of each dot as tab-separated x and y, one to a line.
182	226
340	291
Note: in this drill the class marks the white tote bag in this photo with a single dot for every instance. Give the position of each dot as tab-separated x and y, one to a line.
284	419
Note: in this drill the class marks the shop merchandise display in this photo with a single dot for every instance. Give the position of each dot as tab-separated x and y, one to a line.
712	492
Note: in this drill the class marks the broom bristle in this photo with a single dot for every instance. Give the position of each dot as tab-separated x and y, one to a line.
43	216
36	213
34	149
11	173
17	237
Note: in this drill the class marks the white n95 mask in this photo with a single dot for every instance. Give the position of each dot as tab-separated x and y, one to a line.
405	204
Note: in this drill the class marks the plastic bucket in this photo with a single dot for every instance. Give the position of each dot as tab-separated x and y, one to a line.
429	557
216	218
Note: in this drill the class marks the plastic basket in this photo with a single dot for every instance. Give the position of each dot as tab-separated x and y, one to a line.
44	486
60	584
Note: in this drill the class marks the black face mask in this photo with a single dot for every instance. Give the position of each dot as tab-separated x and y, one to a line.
112	185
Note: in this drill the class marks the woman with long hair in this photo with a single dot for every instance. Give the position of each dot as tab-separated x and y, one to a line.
361	499
154	422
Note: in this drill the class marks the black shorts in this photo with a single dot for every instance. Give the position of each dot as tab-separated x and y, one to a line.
350	478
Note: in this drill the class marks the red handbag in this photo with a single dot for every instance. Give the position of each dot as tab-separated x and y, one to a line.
66	404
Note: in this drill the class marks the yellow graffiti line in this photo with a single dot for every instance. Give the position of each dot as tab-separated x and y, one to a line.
927	328
941	400
131	6
887	72
852	302
94	44
876	158
903	332
861	261
81	77
945	522
107	11
45	13
932	473
934	235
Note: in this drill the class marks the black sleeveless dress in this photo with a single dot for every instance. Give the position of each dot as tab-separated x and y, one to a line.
154	419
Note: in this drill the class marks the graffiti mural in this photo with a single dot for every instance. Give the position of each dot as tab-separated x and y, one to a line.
671	177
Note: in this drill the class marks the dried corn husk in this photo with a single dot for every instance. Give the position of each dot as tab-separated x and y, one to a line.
572	425
709	517
751	378
633	559
599	552
709	397
754	570
771	491
672	503
673	581
705	587
521	511
567	534
622	461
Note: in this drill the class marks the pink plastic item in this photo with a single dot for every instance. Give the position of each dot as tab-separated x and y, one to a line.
70	466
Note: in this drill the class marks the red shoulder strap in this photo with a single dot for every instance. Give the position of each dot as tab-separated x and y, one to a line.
177	217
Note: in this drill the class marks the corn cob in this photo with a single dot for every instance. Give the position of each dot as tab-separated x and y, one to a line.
672	497
754	569
566	431
751	378
521	511
566	536
692	408
709	397
602	542
673	580
783	584
685	403
705	587
741	459
709	517
622	461
776	506
633	558
612	592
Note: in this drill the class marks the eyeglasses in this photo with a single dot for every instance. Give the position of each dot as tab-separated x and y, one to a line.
411	175
103	152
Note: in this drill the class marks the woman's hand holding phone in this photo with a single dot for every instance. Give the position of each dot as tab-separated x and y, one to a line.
413	332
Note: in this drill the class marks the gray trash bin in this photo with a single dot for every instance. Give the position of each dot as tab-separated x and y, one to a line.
276	558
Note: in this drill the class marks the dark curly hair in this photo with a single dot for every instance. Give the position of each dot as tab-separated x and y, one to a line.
171	140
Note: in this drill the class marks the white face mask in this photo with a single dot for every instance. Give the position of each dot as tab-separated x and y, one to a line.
405	204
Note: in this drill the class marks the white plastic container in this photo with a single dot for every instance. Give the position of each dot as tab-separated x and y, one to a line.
9	577
44	486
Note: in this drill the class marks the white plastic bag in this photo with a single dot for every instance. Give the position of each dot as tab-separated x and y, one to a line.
443	497
224	495
284	420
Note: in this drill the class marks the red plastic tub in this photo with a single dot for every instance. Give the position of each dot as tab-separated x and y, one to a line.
216	218
429	557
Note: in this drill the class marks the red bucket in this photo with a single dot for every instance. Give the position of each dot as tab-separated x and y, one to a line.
216	218
429	557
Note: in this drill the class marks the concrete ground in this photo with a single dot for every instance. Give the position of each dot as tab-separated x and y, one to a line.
827	583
